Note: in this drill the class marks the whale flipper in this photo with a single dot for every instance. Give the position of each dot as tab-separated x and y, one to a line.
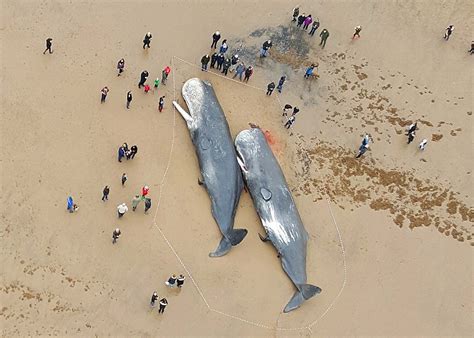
236	236
306	292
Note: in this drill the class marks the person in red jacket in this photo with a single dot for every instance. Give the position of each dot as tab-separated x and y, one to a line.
248	73
145	190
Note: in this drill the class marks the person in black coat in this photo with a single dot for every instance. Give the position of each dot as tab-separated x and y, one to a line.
227	64
204	62
213	59
215	38
270	88
220	61
143	77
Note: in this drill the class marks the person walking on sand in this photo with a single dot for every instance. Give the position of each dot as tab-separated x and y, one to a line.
147	40
49	46
161	103
124	179
357	30
164	75
215	38
423	144
156	83
129	98
70	204
214	59
307	22
412	128
314	26
147	204
204	62
286	109
411	137
120	66
280	83
133	152
105	193
154	298
362	149
135	202
115	235
239	71
104	93
296	12
248	73
290	122
270	88
324	36
448	32
121	210
143	77
163	304
171	281
180	281
471	51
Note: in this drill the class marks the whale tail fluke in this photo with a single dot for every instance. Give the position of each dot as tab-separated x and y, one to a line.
226	244
305	292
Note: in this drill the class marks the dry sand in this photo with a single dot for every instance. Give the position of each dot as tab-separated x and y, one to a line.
405	217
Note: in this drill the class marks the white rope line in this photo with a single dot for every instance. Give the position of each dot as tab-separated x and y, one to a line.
163	180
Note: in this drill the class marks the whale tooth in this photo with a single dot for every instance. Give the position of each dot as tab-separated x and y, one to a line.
183	112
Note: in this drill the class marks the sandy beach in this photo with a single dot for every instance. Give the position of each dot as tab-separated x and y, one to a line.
390	234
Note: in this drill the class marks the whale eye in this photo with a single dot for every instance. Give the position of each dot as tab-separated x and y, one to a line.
266	194
205	143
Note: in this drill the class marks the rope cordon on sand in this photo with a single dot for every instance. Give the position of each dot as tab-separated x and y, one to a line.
186	269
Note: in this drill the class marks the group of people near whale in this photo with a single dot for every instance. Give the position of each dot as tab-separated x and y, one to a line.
225	165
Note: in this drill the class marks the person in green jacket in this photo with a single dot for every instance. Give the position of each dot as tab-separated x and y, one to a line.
135	201
324	36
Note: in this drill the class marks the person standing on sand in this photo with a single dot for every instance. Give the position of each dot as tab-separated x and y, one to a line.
135	202
314	27
147	40
220	61
267	45
180	281
411	137
70	204
49	46
448	32
164	75
471	51
239	71
248	73
362	149
154	298
120	66
270	88
104	93
156	83
357	30
301	20
145	191
295	111
309	71
226	66
129	98
105	193
215	37
204	62
214	59
324	36
163	304
296	12
121	153
124	179
161	103
115	235
286	109
171	281
307	22
143	77
133	152
224	47
147	204
280	83
121	210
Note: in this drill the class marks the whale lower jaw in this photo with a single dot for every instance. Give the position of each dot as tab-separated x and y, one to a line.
304	292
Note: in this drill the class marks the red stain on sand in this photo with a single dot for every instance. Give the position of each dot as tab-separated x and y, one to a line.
272	142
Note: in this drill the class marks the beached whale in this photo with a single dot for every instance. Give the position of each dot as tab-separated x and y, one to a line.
277	210
217	158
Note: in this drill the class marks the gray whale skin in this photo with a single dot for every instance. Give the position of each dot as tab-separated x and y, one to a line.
277	210
217	158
